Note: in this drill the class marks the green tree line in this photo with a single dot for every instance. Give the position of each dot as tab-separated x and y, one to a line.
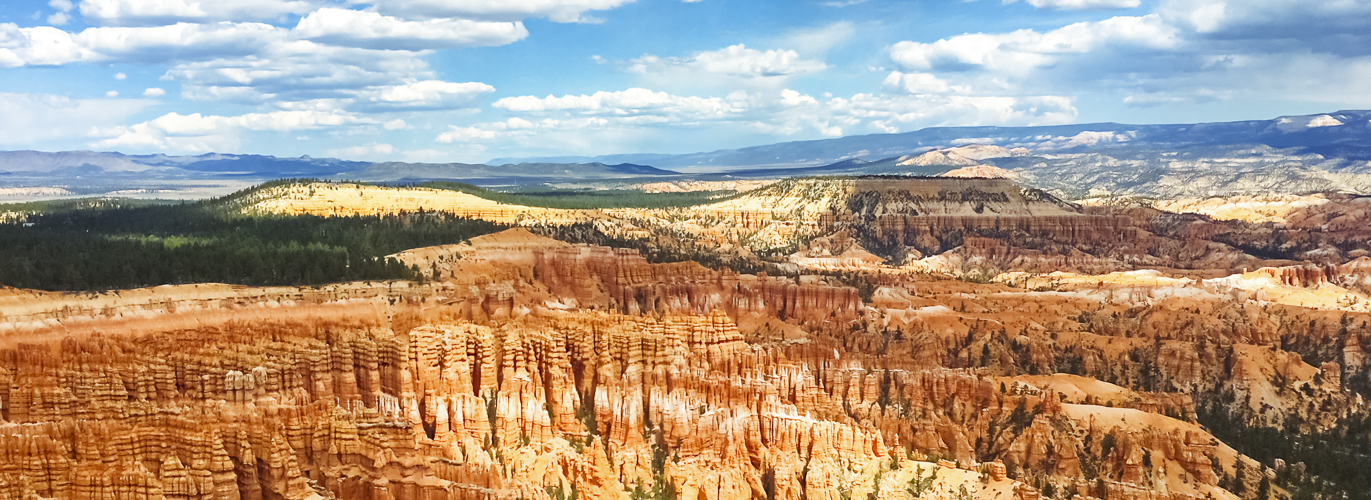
114	245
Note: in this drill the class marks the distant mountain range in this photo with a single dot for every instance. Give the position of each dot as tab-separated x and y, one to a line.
89	166
1327	152
1344	133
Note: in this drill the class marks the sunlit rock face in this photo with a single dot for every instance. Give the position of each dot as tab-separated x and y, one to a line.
929	338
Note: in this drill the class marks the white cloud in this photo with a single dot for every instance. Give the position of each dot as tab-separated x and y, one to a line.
633	105
1185	53
916	83
1024	50
562	11
331	53
333	61
45	45
112	93
901	113
793	98
606	117
120	76
235	61
204	133
1265	18
161	12
41	45
354	28
427	94
337	61
32	120
296	72
60	17
736	61
1082	4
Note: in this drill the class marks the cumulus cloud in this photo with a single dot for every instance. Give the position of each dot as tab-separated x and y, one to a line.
896	113
371	30
1137	54
331	53
338	62
297	72
349	59
917	83
204	133
1264	18
162	12
1185	52
782	113
429	91
562	11
426	94
61	16
635	102
48	46
1082	4
1024	50
736	61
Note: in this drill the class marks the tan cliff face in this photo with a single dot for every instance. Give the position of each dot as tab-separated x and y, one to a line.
356	199
956	225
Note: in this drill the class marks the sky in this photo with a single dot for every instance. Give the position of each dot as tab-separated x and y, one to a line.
472	80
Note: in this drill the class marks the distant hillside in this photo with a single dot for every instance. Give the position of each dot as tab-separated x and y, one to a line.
72	165
1344	133
38	164
503	174
1293	154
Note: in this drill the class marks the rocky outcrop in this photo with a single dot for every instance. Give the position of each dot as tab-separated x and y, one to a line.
622	280
596	401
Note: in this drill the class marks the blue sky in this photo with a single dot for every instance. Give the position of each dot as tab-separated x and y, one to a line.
470	80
